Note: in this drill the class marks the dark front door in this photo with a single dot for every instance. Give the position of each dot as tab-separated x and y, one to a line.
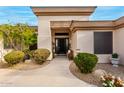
61	45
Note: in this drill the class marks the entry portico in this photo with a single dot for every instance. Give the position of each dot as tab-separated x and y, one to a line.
63	28
47	28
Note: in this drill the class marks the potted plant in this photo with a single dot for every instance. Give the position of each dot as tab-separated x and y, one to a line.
115	59
70	54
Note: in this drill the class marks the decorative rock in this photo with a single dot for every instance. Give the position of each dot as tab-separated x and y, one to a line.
98	73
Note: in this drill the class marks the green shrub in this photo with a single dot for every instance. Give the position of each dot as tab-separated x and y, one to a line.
86	62
41	55
27	54
115	55
26	51
14	57
31	53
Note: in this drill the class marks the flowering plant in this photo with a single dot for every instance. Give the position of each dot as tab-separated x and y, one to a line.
111	81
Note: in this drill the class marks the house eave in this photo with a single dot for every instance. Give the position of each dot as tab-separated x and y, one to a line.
63	11
88	25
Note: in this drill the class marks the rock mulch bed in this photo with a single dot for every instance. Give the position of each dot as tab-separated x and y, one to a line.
91	78
28	65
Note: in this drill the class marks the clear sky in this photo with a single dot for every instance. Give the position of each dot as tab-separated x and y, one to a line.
23	14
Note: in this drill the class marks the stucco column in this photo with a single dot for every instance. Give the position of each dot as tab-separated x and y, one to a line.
118	43
44	36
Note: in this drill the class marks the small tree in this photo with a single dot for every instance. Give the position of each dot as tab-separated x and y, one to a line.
10	34
29	36
19	36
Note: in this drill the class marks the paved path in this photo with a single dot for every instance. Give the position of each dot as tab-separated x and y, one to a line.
54	74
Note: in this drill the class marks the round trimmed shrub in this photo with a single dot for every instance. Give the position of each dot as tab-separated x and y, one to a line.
85	62
31	54
41	55
27	54
14	57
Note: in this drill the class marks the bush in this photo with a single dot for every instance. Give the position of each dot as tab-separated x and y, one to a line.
112	81
31	53
14	57
27	54
115	55
86	62
41	55
26	51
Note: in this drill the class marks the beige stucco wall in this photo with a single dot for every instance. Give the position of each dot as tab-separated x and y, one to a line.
74	42
119	43
44	30
85	43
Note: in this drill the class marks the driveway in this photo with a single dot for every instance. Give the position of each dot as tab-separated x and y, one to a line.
55	74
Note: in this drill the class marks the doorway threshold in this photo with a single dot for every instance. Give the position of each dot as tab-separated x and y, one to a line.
60	54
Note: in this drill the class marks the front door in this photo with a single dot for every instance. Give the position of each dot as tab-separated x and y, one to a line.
61	45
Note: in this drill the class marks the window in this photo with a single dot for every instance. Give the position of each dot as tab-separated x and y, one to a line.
103	42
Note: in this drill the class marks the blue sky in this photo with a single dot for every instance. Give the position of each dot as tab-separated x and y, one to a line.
24	14
107	13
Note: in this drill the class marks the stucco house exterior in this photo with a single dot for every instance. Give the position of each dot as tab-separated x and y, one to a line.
63	28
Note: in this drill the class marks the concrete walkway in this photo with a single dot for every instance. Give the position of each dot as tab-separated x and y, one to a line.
54	74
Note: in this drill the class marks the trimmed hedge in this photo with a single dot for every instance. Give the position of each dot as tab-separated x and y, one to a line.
85	62
14	57
41	55
28	54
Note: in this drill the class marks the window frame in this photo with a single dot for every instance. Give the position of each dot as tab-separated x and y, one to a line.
110	51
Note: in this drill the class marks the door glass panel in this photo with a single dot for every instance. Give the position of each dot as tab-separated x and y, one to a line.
67	44
61	45
56	43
